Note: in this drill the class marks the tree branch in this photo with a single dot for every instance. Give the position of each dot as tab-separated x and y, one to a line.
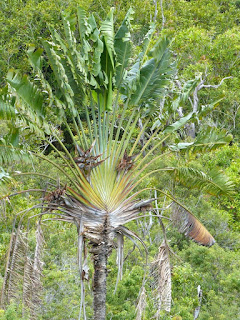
163	17
202	85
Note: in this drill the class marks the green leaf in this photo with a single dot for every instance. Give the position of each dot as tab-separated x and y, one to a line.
107	30
9	153
207	140
5	180
61	76
84	27
146	43
133	74
7	109
35	57
214	182
178	124
205	110
123	46
13	136
107	64
155	74
29	93
187	89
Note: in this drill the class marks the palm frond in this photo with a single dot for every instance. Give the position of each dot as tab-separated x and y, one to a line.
207	140
215	182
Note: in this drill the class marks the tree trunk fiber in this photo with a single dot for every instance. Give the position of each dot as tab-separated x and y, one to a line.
100	278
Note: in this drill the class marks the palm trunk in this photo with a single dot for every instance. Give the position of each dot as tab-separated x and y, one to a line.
100	258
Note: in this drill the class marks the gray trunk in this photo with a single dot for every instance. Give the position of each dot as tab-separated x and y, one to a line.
100	258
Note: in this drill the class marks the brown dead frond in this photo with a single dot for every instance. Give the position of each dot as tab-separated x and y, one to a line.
188	224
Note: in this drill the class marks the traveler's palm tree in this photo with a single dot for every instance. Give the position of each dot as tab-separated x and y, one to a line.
98	94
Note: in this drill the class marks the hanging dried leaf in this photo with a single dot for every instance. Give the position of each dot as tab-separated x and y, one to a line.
32	286
16	270
162	280
37	270
27	284
142	303
120	257
7	270
188	224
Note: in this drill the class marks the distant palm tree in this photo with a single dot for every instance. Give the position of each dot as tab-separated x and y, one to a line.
97	94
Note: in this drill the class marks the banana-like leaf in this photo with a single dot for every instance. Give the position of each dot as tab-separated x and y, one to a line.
123	46
155	74
107	30
133	74
184	94
105	95
188	88
178	124
69	27
59	72
206	109
146	43
188	224
18	115
82	23
97	53
35	57
29	93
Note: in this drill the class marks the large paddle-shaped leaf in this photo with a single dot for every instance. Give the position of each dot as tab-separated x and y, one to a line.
123	45
25	89
155	74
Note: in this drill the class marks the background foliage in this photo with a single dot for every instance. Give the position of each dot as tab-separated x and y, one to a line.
207	41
